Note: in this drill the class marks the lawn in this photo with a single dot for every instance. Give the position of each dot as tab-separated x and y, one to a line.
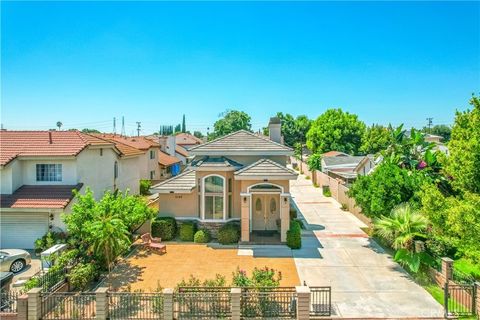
146	271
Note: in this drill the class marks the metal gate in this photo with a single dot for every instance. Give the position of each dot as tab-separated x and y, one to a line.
320	301
459	299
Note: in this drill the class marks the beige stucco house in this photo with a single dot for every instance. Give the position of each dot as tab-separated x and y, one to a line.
241	176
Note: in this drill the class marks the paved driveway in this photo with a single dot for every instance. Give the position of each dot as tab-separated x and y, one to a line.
336	252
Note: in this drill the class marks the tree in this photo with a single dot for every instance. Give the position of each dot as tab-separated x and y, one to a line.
178	128
335	130
314	162
184	127
464	147
231	121
294	130
87	130
375	139
440	130
59	125
198	134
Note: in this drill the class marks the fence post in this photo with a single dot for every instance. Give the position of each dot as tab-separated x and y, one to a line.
22	307
445	298
34	304
168	304
235	297
447	269
101	310
303	302
477	298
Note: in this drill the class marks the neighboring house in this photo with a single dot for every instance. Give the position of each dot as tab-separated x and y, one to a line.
169	146
187	140
335	154
240	176
346	167
169	166
39	170
433	138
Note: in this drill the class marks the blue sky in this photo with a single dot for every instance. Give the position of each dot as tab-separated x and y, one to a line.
84	63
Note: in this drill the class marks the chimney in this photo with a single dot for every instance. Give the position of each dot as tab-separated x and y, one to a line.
171	145
50	137
274	130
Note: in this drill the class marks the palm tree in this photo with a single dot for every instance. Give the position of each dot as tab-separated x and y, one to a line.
110	237
401	228
59	125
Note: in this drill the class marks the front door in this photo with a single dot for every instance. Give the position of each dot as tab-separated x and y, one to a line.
265	211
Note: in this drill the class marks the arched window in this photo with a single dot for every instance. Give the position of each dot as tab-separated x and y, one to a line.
214	191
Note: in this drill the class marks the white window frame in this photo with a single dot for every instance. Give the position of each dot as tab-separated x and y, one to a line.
224	197
152	154
57	171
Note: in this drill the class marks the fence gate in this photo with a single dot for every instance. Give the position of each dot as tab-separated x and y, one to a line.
202	303
320	302
459	299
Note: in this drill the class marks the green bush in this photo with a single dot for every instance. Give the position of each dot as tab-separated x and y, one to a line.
187	231
326	191
145	187
49	240
201	236
293	213
294	235
229	233
82	275
164	228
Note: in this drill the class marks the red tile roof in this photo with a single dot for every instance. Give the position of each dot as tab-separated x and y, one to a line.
166	159
49	197
181	151
141	143
44	143
187	139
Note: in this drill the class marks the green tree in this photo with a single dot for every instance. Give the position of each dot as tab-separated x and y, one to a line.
375	139
336	130
198	134
178	128
314	162
184	126
231	121
294	130
87	130
464	147
440	130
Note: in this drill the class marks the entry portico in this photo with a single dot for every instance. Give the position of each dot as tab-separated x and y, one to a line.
239	177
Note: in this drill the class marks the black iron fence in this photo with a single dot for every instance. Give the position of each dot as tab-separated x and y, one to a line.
460	299
68	305
202	303
268	302
49	281
8	301
320	301
135	305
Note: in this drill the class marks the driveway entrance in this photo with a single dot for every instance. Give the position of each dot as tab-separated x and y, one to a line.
365	281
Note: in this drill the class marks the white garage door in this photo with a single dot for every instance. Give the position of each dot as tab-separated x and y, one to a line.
20	230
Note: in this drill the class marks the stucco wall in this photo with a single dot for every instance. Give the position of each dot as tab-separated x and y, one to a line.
6	180
96	171
179	205
128	175
69	172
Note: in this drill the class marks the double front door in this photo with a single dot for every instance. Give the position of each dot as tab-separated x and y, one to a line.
265	211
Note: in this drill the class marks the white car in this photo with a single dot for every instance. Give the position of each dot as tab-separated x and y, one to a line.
14	260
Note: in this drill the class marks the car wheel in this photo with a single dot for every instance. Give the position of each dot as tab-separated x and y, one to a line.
17	266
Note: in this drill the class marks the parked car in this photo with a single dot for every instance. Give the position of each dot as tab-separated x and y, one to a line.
14	260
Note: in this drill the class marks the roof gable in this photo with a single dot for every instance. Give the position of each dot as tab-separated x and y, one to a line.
266	168
183	183
241	143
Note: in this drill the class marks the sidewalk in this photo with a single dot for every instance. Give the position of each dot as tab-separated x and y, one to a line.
335	252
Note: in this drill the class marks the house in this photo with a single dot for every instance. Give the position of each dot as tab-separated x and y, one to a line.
39	170
169	146
239	177
187	140
346	167
433	138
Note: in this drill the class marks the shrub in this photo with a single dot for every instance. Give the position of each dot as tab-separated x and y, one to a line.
165	228
229	233
344	207
326	191
82	274
145	187
187	231
201	236
263	277
48	240
294	235
307	177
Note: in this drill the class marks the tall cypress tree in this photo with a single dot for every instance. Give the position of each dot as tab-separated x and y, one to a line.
184	127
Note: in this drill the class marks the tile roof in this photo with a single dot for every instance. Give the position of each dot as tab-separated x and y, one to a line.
181	151
343	161
49	197
44	143
125	149
241	142
184	182
166	159
266	167
187	139
141	143
334	154
219	162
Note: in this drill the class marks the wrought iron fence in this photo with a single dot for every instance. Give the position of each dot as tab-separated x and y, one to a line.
8	301
49	281
202	303
268	302
135	305
459	299
68	305
320	301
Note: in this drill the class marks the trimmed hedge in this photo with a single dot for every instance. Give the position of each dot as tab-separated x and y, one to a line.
201	236
294	235
165	228
187	231
229	233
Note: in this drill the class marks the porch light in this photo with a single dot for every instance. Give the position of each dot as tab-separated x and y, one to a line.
51	216
285	200
245	199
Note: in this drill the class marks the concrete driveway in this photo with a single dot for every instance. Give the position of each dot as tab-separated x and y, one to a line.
365	281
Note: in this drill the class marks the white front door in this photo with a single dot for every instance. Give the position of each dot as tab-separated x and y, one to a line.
265	211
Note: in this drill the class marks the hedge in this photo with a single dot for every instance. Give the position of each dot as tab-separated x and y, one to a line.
187	231
202	236
165	228
229	233
294	235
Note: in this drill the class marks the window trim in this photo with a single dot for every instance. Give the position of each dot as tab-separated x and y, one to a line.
57	168
213	193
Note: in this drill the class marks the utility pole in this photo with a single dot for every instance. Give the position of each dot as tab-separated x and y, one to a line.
138	128
430	121
114	126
